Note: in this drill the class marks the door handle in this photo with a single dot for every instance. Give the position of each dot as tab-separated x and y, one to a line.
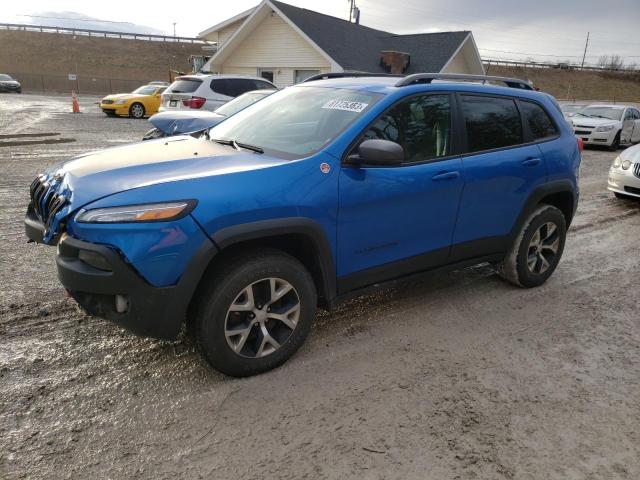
445	176
532	162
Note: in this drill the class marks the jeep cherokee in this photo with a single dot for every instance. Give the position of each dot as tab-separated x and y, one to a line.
325	188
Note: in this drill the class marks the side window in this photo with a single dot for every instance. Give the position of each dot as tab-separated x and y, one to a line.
421	124
628	114
222	86
538	121
636	114
491	122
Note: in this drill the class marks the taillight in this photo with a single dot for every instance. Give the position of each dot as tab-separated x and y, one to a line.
580	144
194	102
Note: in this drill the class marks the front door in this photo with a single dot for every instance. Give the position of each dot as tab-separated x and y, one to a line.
399	219
630	126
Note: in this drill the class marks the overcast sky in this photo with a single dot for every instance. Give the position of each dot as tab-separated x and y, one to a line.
551	30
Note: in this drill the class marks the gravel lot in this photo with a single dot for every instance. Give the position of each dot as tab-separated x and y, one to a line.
458	376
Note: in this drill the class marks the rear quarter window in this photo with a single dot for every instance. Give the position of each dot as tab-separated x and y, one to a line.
540	124
491	122
232	87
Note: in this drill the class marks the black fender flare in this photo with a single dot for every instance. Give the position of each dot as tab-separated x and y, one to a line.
264	229
550	188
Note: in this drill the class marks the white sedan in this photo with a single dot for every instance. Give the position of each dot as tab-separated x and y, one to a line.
624	175
608	125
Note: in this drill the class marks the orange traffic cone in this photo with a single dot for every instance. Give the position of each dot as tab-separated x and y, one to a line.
74	97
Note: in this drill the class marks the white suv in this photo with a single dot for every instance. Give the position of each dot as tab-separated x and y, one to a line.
208	92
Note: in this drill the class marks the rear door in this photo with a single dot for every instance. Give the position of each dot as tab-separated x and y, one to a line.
395	220
502	167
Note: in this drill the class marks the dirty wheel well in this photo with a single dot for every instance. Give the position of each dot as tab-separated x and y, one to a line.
562	201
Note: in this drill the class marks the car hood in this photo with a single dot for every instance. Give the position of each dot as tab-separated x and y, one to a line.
179	122
96	175
632	154
592	122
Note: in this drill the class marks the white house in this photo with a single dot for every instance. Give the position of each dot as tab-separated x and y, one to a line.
286	44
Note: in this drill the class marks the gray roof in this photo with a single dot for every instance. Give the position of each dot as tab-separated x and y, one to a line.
356	47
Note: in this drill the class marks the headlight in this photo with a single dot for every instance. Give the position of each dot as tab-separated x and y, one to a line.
626	164
120	102
152	212
617	162
605	128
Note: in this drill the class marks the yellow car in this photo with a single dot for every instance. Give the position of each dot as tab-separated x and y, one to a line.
143	101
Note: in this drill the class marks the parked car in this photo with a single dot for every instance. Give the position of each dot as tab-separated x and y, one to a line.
143	101
607	125
208	92
9	84
570	109
624	175
194	122
319	190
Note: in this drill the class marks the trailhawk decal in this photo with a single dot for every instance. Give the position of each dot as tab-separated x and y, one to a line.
345	105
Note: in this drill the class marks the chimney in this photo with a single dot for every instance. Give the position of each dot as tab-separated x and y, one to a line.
394	62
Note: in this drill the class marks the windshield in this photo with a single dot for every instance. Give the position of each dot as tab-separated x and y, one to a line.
297	121
185	85
146	90
4	78
610	113
240	103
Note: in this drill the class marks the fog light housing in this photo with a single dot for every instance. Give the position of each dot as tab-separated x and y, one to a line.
95	260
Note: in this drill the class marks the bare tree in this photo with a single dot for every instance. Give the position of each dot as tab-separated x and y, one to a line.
603	61
616	62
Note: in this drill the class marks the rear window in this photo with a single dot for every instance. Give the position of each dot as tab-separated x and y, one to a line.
538	121
184	86
491	122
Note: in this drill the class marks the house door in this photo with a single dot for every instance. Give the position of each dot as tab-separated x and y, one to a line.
266	73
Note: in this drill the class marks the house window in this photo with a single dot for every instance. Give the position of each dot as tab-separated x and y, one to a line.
266	73
302	75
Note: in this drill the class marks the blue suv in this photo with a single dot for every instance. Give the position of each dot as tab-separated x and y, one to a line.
320	190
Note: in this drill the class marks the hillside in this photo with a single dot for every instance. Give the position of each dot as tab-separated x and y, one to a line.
574	84
31	55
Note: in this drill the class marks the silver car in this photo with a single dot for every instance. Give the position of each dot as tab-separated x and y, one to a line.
624	175
208	92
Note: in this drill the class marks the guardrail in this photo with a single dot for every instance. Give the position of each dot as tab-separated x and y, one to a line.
85	84
555	66
100	33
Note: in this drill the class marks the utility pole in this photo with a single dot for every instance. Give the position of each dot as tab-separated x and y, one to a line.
174	29
351	5
585	51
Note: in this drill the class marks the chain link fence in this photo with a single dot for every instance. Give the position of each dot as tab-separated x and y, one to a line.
81	84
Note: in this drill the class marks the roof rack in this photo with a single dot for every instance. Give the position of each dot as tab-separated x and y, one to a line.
429	77
328	75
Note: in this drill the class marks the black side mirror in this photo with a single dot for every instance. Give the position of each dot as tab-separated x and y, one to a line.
378	153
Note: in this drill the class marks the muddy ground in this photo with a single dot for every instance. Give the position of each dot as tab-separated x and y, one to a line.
457	376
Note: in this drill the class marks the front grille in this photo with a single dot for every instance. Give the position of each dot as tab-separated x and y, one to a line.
636	169
584	126
45	198
582	132
634	190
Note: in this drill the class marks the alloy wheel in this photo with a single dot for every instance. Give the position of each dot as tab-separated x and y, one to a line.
262	317
137	111
543	248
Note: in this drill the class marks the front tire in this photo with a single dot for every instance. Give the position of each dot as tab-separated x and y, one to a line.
254	312
537	250
615	145
136	110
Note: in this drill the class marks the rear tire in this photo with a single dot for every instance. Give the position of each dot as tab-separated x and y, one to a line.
136	110
235	324
537	250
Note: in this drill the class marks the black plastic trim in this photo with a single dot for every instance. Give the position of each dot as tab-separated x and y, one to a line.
229	236
153	311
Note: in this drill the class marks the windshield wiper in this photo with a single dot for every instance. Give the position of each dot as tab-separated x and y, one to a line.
238	145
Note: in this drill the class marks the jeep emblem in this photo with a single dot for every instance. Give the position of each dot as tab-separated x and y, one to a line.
324	167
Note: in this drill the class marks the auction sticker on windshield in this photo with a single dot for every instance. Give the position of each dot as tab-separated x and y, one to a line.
345	105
